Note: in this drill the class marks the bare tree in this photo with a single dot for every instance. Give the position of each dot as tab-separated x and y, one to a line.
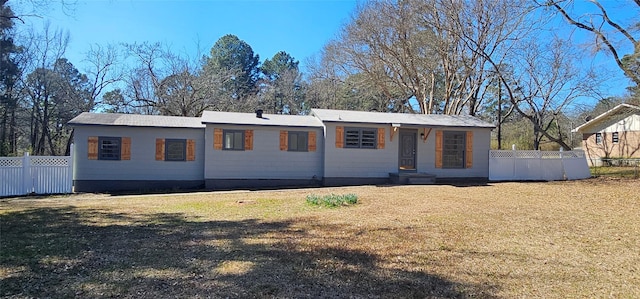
103	70
547	81
612	36
162	82
433	51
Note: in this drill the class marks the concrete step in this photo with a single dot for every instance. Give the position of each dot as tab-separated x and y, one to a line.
412	178
421	180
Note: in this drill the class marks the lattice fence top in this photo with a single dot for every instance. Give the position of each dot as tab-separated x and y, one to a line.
10	162
501	154
551	155
50	161
528	154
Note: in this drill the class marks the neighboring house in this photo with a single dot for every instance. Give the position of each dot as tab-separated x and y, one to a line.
226	150
613	134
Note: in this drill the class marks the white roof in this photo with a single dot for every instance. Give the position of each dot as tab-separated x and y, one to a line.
136	120
237	118
431	120
616	113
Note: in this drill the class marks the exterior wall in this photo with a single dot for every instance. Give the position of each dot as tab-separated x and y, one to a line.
629	123
356	166
480	165
142	171
352	166
264	166
628	146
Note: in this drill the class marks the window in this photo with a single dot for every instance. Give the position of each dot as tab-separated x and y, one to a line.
298	141
233	140
614	137
360	137
598	138
453	149
109	148
175	149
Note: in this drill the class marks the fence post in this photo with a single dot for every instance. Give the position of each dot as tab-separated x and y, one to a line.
564	173
71	167
27	181
515	159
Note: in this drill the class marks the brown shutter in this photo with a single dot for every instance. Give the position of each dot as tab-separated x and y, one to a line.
380	138
438	149
284	140
160	149
191	150
92	148
312	141
469	149
248	140
125	148
339	137
217	139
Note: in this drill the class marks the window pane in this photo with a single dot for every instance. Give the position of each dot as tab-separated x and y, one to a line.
293	141
228	140
109	148
352	138
302	141
175	150
453	149
238	142
297	141
233	140
368	138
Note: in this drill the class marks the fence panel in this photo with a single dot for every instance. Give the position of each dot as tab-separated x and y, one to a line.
575	165
501	165
527	165
51	175
11	176
505	165
37	174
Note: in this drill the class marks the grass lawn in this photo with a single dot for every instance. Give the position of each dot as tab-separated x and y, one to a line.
576	239
616	172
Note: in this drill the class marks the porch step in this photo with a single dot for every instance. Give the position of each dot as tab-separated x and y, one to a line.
412	178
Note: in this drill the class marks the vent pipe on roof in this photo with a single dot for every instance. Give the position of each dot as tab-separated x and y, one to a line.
259	113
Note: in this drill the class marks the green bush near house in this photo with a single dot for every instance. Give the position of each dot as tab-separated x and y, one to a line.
332	200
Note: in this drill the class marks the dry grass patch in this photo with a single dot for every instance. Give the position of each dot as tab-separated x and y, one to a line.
552	240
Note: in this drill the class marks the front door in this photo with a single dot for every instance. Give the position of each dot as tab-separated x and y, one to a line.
407	156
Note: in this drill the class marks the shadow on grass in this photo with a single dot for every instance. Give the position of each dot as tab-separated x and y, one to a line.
69	252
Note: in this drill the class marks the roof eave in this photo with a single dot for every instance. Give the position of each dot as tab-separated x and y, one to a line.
603	116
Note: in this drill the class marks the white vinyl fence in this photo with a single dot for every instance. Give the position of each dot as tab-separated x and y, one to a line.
516	165
35	174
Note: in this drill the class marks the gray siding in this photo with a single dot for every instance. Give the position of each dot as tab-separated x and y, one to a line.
266	160
357	162
142	166
378	163
481	146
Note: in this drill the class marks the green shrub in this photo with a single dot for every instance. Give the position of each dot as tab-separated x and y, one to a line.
332	200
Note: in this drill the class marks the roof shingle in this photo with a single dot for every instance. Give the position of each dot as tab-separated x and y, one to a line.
236	118
136	120
431	120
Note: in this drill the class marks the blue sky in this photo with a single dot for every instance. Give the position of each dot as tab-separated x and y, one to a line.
188	27
301	28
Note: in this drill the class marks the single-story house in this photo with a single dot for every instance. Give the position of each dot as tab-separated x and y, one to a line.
227	150
613	134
